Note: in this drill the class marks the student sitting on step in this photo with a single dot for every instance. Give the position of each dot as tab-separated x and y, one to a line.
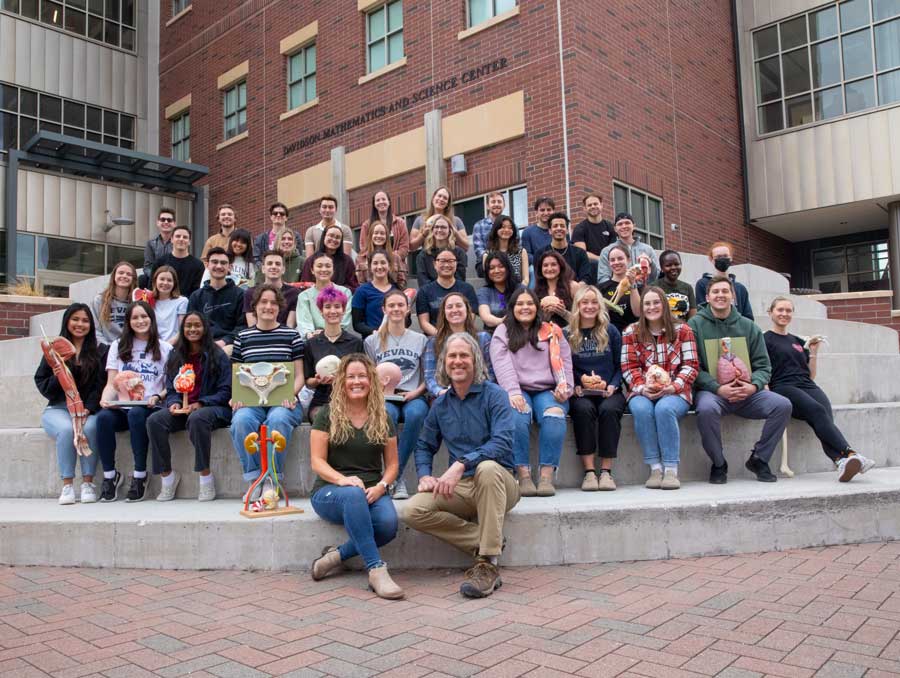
680	295
659	365
353	452
87	370
793	372
108	307
139	350
207	405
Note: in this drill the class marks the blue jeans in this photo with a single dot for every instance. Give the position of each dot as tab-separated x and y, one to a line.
133	420
552	434
248	420
57	423
369	526
656	426
412	414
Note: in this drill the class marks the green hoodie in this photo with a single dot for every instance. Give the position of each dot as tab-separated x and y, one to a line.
708	330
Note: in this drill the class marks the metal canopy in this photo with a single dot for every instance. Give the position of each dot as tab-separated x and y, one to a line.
81	157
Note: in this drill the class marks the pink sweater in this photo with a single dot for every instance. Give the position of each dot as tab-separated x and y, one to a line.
528	369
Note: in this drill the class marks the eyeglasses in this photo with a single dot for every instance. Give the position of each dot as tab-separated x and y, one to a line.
168	220
279	214
446	261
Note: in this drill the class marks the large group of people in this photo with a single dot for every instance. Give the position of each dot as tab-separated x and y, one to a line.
580	322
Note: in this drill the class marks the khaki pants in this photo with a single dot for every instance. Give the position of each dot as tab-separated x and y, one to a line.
472	519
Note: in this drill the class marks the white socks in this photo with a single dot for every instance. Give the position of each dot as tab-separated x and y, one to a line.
206	480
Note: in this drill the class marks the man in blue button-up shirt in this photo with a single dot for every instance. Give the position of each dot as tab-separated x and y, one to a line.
466	506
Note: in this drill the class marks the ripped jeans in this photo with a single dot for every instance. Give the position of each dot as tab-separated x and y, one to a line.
552	429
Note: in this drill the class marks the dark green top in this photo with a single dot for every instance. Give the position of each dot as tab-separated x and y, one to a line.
355	457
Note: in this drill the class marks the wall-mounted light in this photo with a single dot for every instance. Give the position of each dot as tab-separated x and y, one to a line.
112	222
458	164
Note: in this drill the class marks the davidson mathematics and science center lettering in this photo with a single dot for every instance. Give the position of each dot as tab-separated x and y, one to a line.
400	104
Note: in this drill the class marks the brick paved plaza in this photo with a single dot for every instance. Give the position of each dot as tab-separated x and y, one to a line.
825	612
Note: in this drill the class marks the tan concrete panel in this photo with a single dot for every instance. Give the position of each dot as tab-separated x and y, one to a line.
34	203
861	157
36	40
105	76
117	94
498	120
97	216
83	227
389	158
892	147
823	154
299	38
51	62
791	176
807	177
67	66
879	134
7	48
79	64
840	162
232	75
22	192
176	108
774	175
91	73
51	197
306	185
22	47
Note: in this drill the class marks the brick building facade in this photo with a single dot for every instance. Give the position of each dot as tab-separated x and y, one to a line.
651	102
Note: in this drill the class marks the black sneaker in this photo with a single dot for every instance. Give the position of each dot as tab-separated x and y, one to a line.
718	475
761	469
138	489
109	490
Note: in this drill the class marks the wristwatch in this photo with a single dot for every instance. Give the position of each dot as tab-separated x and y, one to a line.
384	485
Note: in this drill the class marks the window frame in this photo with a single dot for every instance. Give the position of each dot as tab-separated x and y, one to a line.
840	37
179	143
493	13
844	276
235	87
304	52
108	25
81	130
179	6
385	39
642	230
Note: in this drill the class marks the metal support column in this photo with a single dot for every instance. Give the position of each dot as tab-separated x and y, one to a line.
435	167
199	219
894	252
11	212
339	183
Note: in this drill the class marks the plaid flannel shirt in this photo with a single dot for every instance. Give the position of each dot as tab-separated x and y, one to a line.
678	358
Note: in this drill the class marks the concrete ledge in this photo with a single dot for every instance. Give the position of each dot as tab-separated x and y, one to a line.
868	427
573	527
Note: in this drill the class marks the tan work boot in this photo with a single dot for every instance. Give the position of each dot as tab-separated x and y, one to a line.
670	480
589	484
328	562
481	581
382	584
605	482
526	486
654	482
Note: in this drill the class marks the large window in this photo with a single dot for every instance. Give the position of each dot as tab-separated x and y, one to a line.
384	35
482	10
646	211
235	110
23	112
854	268
839	59
181	137
302	77
109	21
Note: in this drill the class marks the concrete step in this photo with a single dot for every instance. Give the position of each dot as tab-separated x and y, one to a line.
32	455
804	307
859	378
844	336
573	527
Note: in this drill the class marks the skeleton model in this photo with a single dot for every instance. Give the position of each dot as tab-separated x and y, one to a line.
262	379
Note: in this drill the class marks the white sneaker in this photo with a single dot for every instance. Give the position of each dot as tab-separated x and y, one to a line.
207	490
848	467
67	496
867	464
167	491
88	493
400	491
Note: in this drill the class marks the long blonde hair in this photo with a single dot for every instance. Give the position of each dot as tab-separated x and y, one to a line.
383	331
600	332
110	291
370	247
377	426
429	233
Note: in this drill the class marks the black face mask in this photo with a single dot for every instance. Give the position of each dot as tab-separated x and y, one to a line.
722	263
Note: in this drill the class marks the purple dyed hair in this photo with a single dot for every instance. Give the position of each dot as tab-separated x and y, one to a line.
331	295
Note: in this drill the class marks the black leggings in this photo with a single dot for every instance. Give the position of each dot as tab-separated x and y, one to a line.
598	424
199	425
812	406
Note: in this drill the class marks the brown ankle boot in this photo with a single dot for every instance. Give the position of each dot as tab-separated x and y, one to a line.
481	580
328	562
545	485
382	584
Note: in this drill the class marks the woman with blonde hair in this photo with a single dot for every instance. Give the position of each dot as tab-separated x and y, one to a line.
599	404
378	240
439	236
441	203
353	451
109	306
659	399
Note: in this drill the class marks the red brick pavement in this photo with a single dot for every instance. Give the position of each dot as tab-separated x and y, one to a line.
831	612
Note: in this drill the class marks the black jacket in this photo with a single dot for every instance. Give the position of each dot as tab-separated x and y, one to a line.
216	392
90	386
223	308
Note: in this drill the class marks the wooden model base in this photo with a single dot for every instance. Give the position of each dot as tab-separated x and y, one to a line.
272	513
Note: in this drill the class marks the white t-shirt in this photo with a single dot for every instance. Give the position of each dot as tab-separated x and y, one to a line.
153	372
167	312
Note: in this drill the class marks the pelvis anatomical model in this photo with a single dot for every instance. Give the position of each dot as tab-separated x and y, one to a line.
262	378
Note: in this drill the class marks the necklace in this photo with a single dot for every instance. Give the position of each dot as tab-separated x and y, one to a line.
334	337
